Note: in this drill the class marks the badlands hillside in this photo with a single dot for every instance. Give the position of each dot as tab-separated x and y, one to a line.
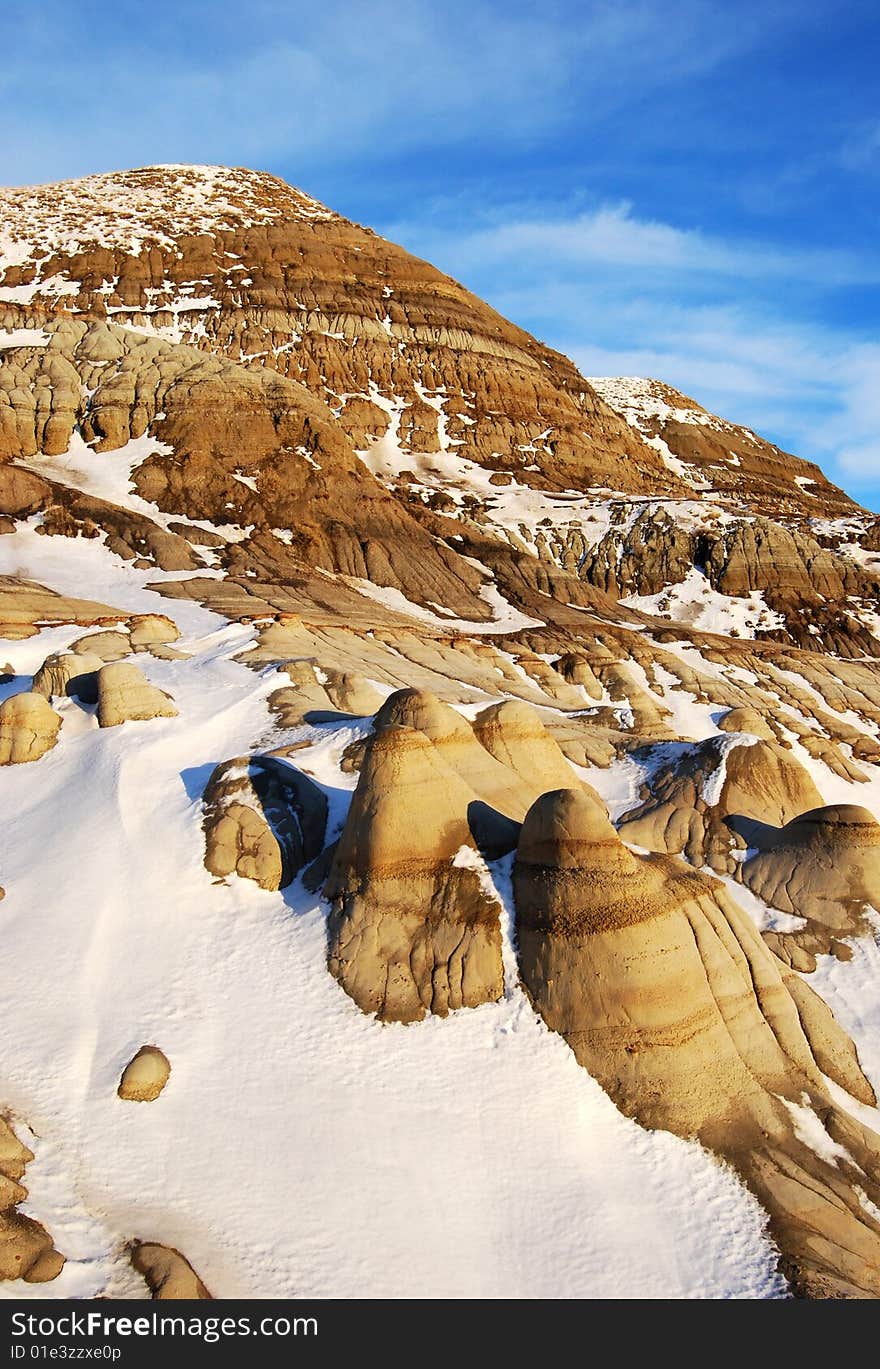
441	790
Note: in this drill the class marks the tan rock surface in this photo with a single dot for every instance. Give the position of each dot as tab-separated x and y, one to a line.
667	995
26	1248
264	820
703	801
823	866
168	1274
411	929
145	1076
69	673
29	727
124	695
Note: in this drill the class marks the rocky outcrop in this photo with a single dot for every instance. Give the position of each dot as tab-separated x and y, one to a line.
823	866
124	695
27	1251
29	727
642	559
145	1076
25	607
749	721
498	788
264	820
514	734
412	929
668	996
706	798
168	1274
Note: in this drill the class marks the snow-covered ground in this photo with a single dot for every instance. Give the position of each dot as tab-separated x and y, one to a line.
299	1147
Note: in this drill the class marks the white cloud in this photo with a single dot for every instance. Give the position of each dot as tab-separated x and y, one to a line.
270	80
738	326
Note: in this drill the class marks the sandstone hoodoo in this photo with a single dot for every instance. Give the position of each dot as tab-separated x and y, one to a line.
666	993
331	602
412	929
264	820
145	1076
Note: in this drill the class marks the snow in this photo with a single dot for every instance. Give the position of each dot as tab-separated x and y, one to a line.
506	617
300	1148
107	475
695	602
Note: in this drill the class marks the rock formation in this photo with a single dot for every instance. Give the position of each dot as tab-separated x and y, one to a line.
124	695
168	1274
26	1248
823	866
29	728
145	1076
668	996
217	392
69	673
412	930
264	820
704	800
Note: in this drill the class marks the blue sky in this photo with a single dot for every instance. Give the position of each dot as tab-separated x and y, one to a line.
656	187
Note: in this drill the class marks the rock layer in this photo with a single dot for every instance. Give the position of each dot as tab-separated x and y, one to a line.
412	929
667	995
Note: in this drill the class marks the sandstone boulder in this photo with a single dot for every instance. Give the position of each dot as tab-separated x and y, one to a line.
69	673
110	645
124	695
145	1076
412	929
152	629
29	728
264	820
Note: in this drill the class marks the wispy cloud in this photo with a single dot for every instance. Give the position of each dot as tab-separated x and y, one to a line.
737	325
269	81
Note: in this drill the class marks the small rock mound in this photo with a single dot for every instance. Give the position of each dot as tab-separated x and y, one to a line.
124	695
823	866
145	1076
747	720
698	795
264	820
110	645
26	1248
668	996
412	930
169	1275
69	673
152	629
29	728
